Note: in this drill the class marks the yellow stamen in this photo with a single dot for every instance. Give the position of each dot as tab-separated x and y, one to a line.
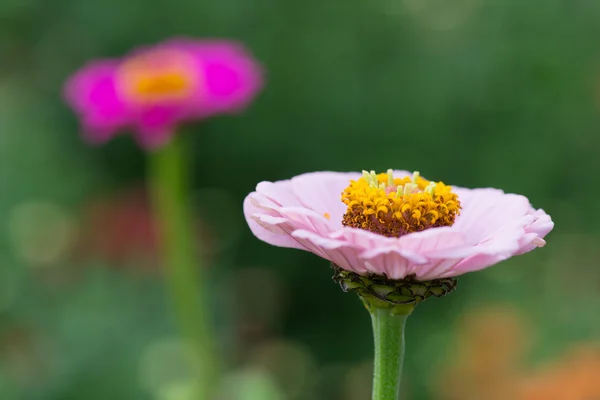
393	207
160	75
327	215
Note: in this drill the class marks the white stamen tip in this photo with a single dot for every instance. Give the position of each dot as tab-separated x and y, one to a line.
431	188
371	178
374	182
415	176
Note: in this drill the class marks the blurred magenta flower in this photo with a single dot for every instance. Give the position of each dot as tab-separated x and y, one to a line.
396	227
154	89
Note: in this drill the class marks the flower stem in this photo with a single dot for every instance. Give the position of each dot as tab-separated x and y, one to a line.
168	181
388	332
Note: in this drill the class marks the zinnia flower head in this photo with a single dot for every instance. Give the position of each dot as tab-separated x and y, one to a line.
154	89
395	225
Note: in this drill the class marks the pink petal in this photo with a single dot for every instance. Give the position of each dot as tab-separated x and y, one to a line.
343	254
280	193
322	192
486	210
538	229
263	209
500	246
272	231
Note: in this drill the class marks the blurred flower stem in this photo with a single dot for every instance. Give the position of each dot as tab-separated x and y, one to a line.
169	183
388	332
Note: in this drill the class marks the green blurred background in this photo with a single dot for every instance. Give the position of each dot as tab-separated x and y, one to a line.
472	92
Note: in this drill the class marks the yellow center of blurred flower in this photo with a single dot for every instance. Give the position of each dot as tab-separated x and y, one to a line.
160	75
393	207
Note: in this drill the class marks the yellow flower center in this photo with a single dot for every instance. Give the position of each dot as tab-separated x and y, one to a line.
393	207
160	75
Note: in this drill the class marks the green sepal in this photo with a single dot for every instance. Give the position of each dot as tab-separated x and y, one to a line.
401	295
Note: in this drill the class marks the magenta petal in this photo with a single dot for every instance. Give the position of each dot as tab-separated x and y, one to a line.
93	95
232	77
228	87
156	125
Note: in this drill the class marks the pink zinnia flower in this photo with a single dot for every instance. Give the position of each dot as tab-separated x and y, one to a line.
395	224
154	89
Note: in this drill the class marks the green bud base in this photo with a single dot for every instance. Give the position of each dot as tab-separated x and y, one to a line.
401	295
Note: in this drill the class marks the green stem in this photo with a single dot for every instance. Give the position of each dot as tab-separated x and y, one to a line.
388	331
168	180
